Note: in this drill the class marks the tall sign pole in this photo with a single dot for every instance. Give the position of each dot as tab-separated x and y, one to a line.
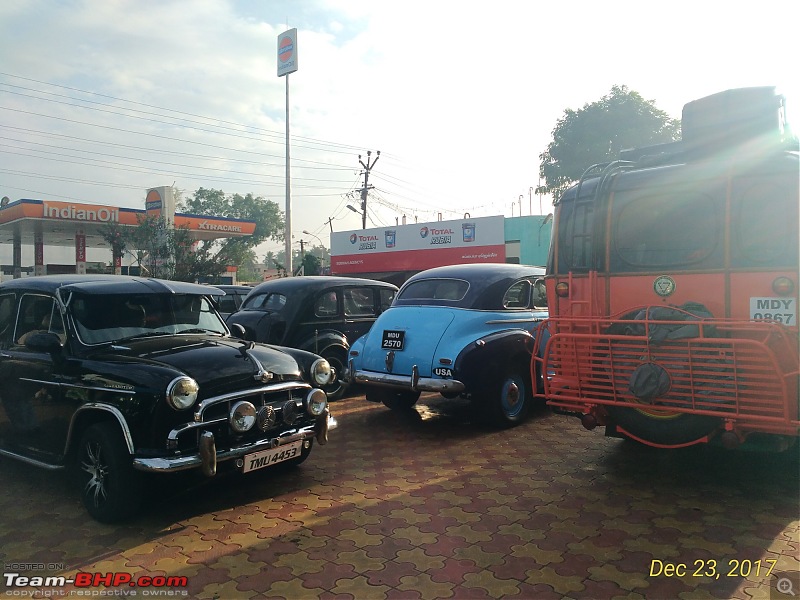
287	63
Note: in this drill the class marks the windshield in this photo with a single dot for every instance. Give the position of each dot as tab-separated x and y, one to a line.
110	317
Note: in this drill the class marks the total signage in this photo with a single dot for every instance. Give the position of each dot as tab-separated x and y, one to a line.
419	246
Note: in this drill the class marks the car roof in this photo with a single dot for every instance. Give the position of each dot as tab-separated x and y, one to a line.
108	284
488	283
234	288
315	282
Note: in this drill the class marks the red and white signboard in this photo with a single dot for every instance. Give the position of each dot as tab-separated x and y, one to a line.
419	246
80	252
287	52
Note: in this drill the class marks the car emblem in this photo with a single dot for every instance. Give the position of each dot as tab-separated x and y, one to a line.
390	360
664	286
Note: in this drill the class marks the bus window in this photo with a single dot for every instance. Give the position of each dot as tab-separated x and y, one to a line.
665	231
764	231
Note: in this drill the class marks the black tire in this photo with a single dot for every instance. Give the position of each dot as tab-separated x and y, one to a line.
510	398
394	399
110	487
663	428
337	358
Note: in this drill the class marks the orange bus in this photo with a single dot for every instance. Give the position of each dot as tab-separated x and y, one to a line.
672	284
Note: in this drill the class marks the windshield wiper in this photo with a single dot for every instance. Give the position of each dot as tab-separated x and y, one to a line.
199	330
146	334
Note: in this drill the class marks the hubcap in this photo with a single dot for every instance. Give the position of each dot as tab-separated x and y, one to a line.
93	465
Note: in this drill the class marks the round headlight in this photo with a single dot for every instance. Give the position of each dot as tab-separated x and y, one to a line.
316	401
321	372
182	392
243	416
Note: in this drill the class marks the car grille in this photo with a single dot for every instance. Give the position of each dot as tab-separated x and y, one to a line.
280	408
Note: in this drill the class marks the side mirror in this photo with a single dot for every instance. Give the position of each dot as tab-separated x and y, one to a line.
237	330
44	342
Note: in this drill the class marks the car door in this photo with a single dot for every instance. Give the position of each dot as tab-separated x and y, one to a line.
32	423
360	309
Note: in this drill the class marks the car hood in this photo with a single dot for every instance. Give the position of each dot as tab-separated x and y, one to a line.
217	364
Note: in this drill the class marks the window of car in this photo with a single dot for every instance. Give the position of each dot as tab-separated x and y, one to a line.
6	315
386	298
112	317
358	302
518	295
435	289
229	302
265	301
327	304
38	314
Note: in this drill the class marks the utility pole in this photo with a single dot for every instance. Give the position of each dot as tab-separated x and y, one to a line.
367	169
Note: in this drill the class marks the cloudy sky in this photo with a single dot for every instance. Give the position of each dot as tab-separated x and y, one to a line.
100	100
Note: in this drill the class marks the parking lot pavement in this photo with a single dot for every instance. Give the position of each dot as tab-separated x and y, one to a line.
433	505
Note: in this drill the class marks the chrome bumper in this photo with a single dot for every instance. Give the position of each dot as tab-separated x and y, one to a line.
207	457
413	382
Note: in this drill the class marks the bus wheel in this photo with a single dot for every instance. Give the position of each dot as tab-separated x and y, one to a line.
663	427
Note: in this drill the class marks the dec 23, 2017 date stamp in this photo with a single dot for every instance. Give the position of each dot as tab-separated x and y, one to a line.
782	584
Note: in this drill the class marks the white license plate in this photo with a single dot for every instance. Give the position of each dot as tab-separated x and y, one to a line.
782	310
267	458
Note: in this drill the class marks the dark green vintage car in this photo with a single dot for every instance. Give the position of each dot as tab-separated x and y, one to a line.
118	376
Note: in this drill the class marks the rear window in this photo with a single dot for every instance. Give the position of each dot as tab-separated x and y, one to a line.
435	289
271	302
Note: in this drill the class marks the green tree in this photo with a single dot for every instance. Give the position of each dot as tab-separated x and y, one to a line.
596	134
237	251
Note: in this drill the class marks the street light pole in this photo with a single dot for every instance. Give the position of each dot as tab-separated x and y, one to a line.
321	249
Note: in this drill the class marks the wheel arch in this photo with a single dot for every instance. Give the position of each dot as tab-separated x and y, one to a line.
90	414
480	360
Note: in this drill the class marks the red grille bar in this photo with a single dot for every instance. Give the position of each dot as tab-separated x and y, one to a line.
744	372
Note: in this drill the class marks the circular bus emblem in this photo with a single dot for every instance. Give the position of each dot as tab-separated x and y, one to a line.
423	233
664	286
353	238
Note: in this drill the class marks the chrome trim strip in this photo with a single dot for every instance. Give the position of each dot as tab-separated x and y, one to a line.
421	384
126	433
30	461
512	321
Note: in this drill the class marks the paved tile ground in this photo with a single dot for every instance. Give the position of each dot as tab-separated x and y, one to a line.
433	505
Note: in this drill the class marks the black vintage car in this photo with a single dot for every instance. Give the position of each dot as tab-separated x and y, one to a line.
323	315
118	376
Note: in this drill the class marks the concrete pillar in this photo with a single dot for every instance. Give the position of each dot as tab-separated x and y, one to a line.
17	254
80	252
38	254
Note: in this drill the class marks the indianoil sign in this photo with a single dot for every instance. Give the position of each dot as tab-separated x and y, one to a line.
287	52
79	212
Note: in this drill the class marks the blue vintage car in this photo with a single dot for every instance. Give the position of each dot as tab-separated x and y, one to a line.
463	331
